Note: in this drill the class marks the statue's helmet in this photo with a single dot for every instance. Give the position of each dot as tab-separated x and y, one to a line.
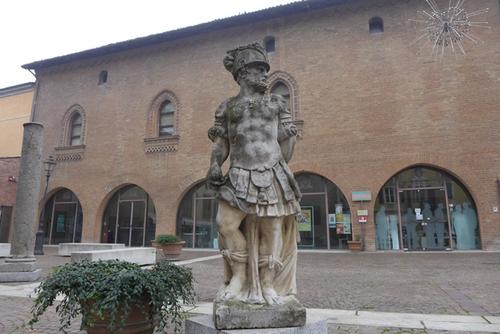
242	56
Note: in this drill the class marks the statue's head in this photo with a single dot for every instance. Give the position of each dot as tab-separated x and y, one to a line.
248	63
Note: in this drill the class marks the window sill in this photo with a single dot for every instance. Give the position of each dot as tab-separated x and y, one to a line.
70	153
162	144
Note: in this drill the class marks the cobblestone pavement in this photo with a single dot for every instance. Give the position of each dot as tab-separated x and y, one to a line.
440	283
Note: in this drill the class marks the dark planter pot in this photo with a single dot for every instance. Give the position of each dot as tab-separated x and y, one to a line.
170	251
137	322
355	246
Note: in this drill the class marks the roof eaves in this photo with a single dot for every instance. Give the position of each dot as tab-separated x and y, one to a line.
264	14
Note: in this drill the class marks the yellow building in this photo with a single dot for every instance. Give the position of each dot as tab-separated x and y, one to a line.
15	110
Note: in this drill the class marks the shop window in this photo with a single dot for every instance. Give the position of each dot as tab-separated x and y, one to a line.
270	44
432	211
129	218
196	222
166	119
376	25
62	216
325	220
103	77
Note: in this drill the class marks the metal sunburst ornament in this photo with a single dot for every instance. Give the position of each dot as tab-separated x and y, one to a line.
450	27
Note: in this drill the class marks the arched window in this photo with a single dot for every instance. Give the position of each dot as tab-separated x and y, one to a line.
376	25
76	130
196	218
62	218
325	220
280	88
270	44
423	208
103	77
129	218
166	119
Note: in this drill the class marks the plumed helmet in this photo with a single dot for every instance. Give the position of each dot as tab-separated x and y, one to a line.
242	56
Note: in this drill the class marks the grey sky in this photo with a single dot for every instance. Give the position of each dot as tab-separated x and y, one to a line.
40	29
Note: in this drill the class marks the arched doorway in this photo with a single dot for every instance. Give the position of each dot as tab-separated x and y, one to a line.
325	221
62	218
423	208
129	218
196	218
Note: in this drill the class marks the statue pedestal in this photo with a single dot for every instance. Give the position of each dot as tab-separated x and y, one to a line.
238	315
205	325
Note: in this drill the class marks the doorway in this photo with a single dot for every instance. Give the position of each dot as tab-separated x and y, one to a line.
63	218
129	218
425	220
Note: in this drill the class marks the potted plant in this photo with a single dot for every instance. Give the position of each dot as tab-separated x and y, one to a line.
116	296
171	245
355	245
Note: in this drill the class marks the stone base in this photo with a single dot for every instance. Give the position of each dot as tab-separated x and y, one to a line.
4	250
239	315
204	325
19	270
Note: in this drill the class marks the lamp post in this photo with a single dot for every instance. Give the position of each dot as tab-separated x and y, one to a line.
49	165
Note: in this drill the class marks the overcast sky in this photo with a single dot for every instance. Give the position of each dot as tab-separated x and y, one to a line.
32	30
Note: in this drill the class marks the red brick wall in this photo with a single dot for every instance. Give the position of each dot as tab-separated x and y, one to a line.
371	107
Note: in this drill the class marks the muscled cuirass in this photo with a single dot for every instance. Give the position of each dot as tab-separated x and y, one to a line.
252	126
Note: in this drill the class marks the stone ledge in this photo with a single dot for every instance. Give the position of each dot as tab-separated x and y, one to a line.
239	315
204	325
65	249
4	250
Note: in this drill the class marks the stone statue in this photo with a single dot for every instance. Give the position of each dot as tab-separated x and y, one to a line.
258	197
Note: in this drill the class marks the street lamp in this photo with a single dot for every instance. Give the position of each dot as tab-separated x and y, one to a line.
49	165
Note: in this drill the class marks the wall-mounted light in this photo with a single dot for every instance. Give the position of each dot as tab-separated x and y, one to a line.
12	179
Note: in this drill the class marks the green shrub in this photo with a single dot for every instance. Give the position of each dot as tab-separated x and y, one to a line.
165	239
94	289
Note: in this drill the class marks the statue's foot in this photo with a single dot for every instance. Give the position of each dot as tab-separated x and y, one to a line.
271	296
231	291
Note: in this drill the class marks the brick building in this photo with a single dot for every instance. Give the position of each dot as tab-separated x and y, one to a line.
408	140
15	109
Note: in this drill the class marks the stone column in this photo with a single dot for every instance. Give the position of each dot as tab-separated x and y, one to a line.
21	267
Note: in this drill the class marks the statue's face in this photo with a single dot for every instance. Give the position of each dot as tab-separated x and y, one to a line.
255	76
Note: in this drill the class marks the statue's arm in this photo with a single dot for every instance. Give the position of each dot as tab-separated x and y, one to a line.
220	147
287	131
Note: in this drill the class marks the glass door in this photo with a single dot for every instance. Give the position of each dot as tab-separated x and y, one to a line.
131	219
424	218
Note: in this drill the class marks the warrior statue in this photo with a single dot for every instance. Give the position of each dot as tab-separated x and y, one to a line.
258	197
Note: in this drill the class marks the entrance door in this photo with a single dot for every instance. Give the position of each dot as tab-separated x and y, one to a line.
131	220
425	223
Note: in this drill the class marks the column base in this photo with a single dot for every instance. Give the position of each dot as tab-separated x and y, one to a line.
19	270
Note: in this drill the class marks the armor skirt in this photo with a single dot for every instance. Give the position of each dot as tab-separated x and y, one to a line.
269	192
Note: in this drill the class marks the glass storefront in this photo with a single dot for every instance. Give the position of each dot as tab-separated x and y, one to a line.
425	209
62	217
196	218
325	220
129	218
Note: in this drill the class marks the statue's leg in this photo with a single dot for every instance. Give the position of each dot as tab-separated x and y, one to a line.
235	248
271	242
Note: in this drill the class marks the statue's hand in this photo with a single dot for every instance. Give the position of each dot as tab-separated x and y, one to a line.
291	130
215	176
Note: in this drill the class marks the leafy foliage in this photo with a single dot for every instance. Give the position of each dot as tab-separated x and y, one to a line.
165	239
111	289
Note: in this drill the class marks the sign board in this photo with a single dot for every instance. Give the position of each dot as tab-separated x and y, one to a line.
306	219
362	219
361	196
362	212
332	222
